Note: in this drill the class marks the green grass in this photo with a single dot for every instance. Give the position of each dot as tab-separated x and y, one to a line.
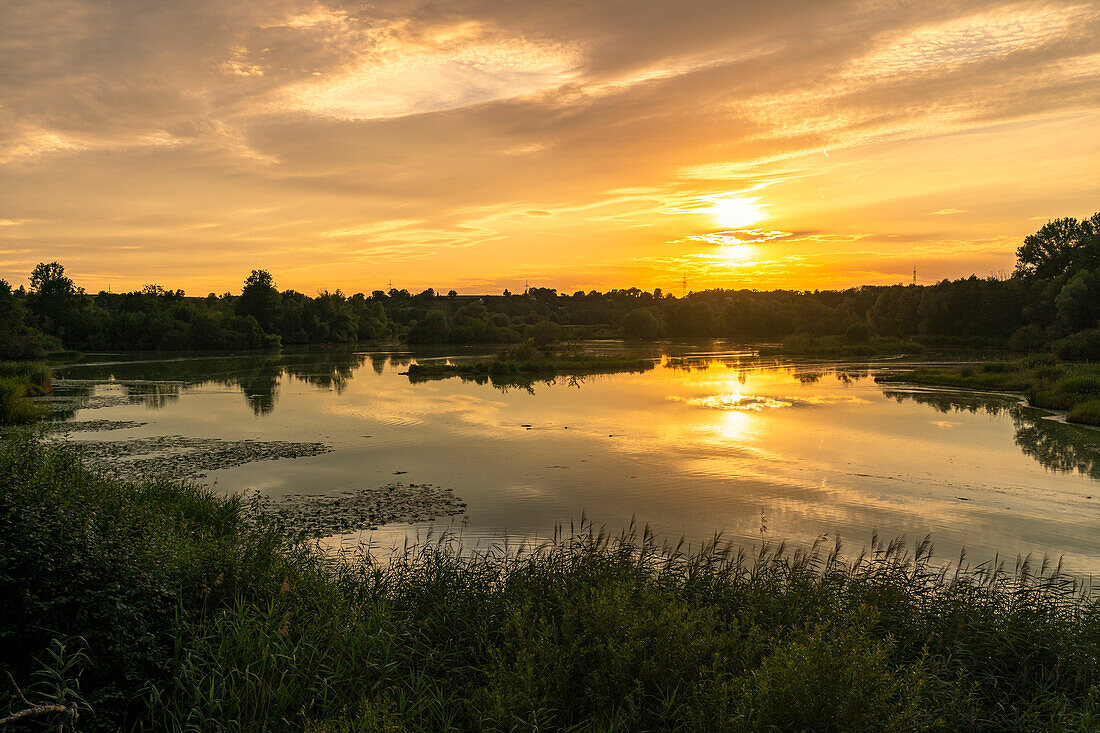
153	606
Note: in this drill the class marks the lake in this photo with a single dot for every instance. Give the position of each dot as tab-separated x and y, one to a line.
712	439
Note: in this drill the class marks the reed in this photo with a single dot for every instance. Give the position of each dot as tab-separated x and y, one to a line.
181	616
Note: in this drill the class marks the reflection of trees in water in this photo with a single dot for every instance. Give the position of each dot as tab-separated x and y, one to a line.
748	366
257	376
153	394
1055	445
509	382
848	376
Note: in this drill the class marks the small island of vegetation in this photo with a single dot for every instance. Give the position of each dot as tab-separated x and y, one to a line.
1046	382
528	361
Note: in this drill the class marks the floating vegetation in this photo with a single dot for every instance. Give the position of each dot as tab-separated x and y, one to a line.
323	515
179	457
94	426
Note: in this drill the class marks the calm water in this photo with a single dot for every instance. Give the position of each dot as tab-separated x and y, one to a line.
709	440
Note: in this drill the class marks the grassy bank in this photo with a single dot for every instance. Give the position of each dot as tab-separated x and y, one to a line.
152	605
19	382
1046	382
520	362
839	346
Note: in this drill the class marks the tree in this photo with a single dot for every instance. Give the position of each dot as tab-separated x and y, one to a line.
640	323
53	296
17	339
857	333
1060	246
544	334
260	299
432	329
48	280
1078	303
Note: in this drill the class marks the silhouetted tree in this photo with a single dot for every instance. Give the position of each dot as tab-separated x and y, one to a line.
1061	246
260	299
640	323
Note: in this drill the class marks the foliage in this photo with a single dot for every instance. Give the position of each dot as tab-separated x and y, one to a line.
19	382
1082	346
1060	247
260	300
36	375
1052	300
640	323
15	404
180	616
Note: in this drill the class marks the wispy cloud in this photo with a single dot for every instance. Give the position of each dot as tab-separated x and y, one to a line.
412	140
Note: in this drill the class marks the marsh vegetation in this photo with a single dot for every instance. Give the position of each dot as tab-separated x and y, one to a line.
155	605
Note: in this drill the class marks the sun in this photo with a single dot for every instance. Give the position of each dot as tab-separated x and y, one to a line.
738	255
734	213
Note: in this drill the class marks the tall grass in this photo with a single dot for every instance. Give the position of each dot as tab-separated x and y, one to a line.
35	374
189	619
19	381
1086	413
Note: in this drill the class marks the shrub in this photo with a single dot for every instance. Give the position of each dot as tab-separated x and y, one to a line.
857	333
640	323
1027	338
1081	346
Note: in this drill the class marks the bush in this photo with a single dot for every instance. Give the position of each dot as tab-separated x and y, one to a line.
1027	338
857	333
1081	346
640	323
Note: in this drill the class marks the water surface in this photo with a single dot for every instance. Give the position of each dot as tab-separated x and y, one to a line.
711	439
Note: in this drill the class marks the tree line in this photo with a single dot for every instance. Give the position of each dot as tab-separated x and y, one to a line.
1052	301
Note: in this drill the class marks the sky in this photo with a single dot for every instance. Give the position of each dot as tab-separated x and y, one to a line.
481	144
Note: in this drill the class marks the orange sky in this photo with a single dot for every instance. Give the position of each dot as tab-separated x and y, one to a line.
478	144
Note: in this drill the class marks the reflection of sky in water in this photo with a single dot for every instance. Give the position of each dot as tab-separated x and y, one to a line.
698	444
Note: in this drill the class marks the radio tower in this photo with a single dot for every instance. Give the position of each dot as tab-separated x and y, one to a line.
684	287
914	274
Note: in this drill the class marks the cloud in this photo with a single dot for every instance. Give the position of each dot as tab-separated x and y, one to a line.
340	140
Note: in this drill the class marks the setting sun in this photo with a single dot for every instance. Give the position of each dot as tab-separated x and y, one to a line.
734	213
738	255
